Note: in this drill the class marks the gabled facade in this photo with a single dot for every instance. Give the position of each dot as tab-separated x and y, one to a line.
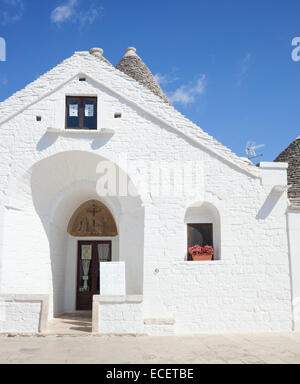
86	125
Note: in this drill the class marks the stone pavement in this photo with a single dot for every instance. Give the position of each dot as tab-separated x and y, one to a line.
248	349
75	324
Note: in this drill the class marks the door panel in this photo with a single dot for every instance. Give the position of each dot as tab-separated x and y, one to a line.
90	253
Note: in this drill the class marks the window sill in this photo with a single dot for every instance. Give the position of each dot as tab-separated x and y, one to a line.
197	263
103	131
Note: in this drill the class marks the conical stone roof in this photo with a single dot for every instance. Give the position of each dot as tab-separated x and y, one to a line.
132	65
291	155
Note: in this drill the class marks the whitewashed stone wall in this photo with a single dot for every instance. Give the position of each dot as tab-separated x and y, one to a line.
23	314
21	318
294	244
119	315
247	289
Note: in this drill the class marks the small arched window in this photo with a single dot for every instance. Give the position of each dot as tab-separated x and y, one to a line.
203	228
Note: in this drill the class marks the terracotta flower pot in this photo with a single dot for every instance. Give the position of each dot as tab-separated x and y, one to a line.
203	257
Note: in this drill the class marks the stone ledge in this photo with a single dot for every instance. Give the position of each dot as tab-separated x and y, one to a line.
273	165
23	297
159	322
119	299
197	263
103	131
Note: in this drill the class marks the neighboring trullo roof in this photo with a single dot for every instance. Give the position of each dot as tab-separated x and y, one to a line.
291	155
93	65
132	65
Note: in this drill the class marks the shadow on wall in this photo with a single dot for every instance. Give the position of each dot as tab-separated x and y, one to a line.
49	139
268	206
46	141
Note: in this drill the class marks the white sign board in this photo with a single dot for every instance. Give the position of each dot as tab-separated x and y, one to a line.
112	279
73	110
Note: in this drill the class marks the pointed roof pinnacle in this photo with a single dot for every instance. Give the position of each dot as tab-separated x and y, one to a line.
132	65
98	52
131	51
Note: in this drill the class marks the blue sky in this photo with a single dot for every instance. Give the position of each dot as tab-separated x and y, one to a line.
225	64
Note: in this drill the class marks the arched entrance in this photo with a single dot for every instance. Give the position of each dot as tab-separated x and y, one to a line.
57	189
91	220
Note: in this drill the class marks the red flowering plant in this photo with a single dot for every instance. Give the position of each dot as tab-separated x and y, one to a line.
196	250
208	250
201	253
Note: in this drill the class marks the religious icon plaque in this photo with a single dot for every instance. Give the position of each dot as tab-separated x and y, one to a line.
92	219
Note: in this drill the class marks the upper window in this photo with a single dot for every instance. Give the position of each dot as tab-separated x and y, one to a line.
81	113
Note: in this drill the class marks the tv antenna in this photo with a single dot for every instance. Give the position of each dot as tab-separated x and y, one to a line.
251	148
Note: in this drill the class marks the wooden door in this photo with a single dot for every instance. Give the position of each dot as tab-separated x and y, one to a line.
90	254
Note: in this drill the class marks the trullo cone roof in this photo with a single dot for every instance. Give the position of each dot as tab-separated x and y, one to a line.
132	65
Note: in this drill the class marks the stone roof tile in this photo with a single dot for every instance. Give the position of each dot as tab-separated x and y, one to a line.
132	65
291	155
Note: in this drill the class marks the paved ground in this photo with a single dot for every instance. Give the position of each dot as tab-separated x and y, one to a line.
263	348
78	323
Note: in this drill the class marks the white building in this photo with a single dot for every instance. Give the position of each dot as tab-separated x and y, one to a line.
59	136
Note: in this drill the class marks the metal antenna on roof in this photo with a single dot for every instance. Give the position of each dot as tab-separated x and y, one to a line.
251	148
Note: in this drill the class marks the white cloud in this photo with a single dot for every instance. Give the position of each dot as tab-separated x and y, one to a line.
64	12
186	94
11	11
165	79
89	16
70	12
244	69
161	79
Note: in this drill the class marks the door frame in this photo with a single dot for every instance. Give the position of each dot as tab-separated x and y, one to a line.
88	242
